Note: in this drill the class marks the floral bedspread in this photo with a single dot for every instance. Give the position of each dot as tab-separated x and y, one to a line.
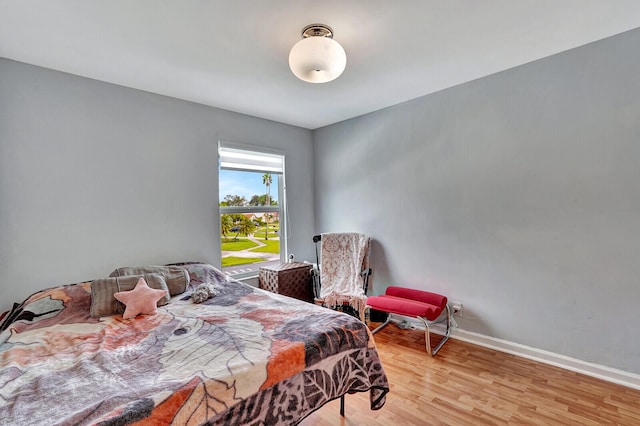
245	356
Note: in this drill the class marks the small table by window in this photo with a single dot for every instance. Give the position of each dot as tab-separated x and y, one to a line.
291	279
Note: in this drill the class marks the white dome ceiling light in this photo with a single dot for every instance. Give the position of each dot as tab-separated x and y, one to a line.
317	58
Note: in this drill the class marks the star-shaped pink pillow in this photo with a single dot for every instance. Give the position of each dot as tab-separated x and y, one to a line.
141	300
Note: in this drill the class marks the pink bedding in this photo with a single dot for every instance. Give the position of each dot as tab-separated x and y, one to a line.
245	356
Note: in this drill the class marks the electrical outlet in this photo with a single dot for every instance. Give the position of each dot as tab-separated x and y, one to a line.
456	309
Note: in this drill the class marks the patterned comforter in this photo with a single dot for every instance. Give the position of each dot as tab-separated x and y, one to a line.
245	356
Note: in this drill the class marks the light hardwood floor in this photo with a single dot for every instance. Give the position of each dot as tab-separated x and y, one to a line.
467	385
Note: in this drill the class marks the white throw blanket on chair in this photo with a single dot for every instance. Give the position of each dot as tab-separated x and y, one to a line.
343	257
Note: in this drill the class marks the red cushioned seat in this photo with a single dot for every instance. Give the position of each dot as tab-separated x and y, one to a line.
409	302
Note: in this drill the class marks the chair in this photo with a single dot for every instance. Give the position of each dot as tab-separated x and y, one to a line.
413	303
342	278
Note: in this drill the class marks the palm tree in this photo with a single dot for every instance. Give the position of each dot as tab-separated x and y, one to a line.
246	226
226	223
266	179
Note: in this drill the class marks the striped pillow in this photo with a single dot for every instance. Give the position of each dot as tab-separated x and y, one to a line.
103	301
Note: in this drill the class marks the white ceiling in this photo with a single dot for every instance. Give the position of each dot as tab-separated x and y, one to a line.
233	54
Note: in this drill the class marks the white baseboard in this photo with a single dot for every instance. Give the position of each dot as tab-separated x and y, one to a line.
598	371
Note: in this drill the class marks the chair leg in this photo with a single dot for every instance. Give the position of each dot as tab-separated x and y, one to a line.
427	337
383	325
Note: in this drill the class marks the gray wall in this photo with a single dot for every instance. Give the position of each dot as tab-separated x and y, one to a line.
95	176
517	194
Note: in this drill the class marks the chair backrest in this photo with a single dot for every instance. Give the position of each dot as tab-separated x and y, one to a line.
343	263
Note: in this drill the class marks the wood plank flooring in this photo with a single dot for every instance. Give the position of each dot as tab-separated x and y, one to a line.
471	385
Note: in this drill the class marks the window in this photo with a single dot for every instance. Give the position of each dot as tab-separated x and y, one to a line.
252	208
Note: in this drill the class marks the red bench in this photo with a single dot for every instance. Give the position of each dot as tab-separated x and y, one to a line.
413	303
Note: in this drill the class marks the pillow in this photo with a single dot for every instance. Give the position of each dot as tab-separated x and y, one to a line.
202	273
141	300
177	278
103	302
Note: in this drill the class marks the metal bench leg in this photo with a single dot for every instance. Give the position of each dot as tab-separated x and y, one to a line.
427	337
383	325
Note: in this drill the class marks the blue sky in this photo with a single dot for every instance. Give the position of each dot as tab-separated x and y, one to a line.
245	184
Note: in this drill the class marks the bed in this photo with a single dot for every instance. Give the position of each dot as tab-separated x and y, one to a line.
245	356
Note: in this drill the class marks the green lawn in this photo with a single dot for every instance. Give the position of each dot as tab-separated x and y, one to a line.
233	261
231	245
272	246
259	233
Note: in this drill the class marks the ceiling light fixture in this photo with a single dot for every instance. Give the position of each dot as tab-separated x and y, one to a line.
317	58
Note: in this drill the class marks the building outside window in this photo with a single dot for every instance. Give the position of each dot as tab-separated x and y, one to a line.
252	208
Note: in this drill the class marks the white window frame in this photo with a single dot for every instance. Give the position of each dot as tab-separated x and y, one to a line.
261	160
